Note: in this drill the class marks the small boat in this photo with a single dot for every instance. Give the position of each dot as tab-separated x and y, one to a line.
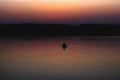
64	46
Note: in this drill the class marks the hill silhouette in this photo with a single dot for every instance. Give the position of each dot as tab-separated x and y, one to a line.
36	30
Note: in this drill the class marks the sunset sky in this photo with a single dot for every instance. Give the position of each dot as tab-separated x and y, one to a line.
60	11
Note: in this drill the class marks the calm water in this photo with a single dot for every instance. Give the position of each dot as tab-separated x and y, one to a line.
44	59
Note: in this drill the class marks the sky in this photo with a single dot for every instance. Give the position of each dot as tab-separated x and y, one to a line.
60	11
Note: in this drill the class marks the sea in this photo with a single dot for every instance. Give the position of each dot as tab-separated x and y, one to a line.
84	58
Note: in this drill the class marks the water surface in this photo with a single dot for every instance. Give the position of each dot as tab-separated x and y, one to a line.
45	59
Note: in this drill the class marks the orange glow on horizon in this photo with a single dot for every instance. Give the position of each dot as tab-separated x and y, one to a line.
57	9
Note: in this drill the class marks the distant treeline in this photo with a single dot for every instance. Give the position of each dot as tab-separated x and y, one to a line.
37	30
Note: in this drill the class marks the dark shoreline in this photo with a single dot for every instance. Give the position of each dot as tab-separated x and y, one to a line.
37	30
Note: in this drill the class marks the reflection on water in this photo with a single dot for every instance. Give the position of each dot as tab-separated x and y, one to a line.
45	59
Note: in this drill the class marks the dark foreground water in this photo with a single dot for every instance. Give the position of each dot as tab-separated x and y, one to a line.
44	59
